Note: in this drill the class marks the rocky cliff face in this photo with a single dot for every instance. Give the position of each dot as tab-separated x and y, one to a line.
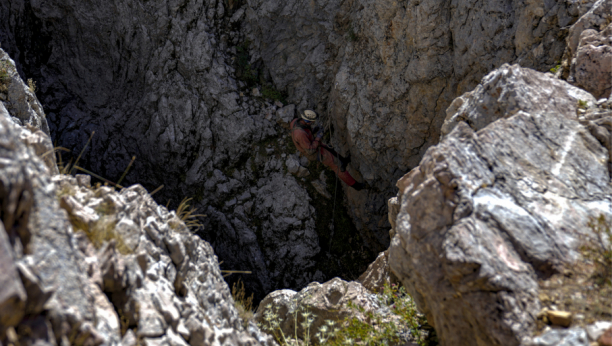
156	80
93	266
504	203
161	80
384	71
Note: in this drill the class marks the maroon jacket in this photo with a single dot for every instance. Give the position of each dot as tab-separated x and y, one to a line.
304	141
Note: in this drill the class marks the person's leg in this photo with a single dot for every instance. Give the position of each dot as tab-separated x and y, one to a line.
339	160
328	160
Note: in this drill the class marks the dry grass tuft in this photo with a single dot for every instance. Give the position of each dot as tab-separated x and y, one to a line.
103	231
243	304
188	215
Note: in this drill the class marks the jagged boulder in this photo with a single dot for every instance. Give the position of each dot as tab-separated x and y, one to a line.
84	265
510	89
588	56
488	214
19	104
378	274
18	98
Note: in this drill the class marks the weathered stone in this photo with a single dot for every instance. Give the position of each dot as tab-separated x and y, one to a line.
21	102
560	318
285	115
37	295
592	65
561	337
510	89
476	227
595	330
378	274
129	339
598	16
68	282
12	293
293	165
321	188
164	87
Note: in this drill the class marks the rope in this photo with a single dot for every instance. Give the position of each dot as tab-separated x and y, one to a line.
335	189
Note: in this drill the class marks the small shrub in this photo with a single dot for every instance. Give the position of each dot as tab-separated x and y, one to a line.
188	215
4	72
401	323
555	69
379	329
32	86
269	92
598	252
272	325
582	104
104	231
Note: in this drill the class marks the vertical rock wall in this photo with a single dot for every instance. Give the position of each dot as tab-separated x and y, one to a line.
384	72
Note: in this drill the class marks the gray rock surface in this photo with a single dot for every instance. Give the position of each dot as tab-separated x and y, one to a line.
510	89
591	64
12	294
588	55
561	337
378	274
488	205
488	213
157	80
19	100
87	264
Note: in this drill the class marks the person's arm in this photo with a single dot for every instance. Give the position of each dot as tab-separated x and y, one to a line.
306	144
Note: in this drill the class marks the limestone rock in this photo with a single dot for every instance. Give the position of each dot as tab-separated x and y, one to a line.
595	330
509	89
12	293
327	301
560	318
21	102
606	338
286	114
594	50
162	83
561	337
321	188
44	236
378	274
383	72
83	279
592	65
476	228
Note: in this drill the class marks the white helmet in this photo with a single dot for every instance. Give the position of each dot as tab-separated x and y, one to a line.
309	115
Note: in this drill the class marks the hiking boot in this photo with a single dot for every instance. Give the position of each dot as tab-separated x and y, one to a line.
358	186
